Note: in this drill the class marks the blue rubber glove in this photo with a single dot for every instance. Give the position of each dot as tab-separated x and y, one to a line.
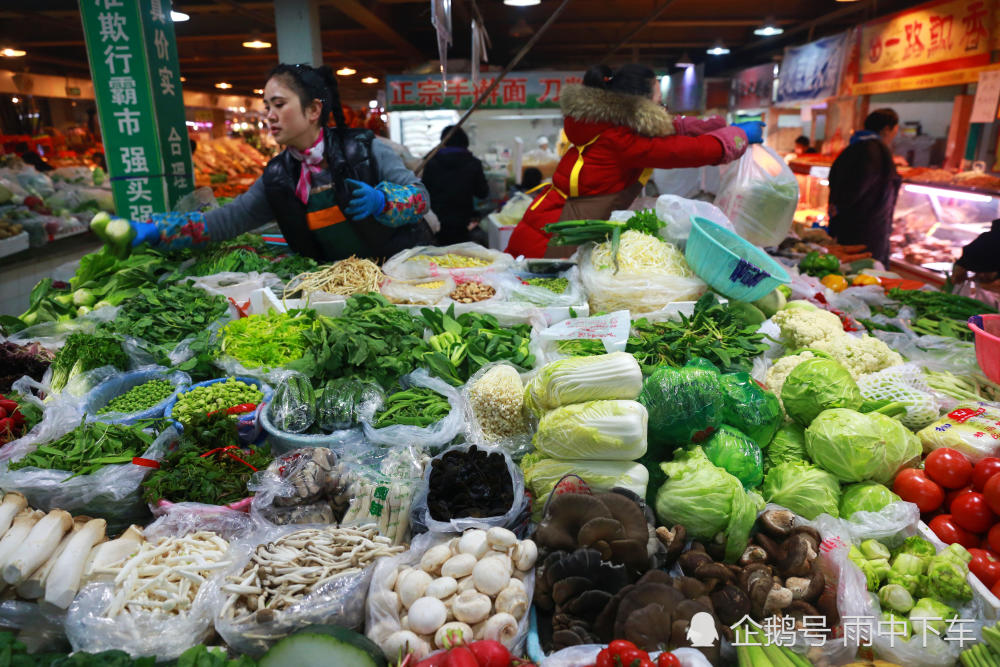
145	232
754	130
366	202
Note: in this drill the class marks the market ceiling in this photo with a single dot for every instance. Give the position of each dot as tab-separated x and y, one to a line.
379	37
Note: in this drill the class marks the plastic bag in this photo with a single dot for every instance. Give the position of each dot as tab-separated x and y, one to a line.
938	353
35	182
571	295
435	435
904	383
141	632
685	405
423	291
677	211
759	194
293	406
342	599
610	330
421	514
112	493
586	654
237	286
750	408
541	478
118	385
431	261
382	618
638	292
201	199
971	428
78	175
494	412
307	485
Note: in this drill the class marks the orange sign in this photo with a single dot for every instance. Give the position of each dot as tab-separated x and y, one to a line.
940	43
325	218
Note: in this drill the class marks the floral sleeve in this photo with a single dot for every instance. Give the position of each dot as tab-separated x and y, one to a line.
404	204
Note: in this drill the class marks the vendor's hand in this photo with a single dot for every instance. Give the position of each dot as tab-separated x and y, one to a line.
365	202
958	274
754	130
145	232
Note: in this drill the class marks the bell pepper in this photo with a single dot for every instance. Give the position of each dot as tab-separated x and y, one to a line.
819	264
864	279
835	282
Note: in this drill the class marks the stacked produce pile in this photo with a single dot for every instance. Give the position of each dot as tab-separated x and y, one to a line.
449	484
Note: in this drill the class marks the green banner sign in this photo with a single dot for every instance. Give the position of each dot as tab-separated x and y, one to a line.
133	62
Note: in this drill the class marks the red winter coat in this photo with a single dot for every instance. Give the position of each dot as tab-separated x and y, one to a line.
620	136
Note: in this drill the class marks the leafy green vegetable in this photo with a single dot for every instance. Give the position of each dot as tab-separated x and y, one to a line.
610	377
89	447
83	352
269	340
805	489
607	430
685	405
716	332
815	385
947	574
737	454
907	571
750	408
417	406
917	546
557	285
865	497
856	447
578	232
930	616
788	444
165	316
707	500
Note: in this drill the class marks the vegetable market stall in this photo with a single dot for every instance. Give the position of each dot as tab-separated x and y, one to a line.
373	465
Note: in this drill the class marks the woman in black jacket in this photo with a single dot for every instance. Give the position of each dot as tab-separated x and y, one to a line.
453	177
333	191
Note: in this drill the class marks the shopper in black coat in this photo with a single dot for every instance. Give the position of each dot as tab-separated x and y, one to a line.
864	185
981	257
453	177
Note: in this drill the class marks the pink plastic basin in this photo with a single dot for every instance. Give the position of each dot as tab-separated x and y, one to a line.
987	331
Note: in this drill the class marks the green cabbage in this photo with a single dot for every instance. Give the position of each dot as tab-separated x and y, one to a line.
816	385
737	454
857	447
614	430
788	444
750	408
707	500
865	497
543	475
685	405
614	376
803	488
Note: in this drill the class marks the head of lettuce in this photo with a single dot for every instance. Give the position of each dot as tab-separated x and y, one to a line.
855	447
708	501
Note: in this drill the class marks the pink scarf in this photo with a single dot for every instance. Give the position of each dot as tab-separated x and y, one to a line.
310	160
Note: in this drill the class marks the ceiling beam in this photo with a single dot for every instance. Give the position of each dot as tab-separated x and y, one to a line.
364	16
601	46
655	14
843	12
240	37
264	17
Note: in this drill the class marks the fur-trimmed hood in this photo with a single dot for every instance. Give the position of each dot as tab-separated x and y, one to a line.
595	105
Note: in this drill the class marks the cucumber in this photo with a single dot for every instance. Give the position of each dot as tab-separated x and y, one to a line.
322	646
293	408
342	400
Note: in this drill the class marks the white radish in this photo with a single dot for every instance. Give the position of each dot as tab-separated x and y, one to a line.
12	504
43	539
114	551
33	587
64	580
19	530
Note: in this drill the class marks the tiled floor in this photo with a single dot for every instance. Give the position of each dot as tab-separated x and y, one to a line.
17	278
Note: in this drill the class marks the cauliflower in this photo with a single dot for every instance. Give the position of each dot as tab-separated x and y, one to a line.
779	372
859	355
803	326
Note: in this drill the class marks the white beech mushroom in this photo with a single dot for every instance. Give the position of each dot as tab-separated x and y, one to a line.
43	539
500	539
427	615
453	634
458	566
501	628
491	575
474	542
471	607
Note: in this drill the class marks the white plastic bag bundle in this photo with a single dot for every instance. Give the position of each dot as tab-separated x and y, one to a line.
677	211
436	435
421	291
610	330
573	295
759	194
636	291
462	260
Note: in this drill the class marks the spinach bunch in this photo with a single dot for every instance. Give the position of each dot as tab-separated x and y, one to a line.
83	352
166	316
89	447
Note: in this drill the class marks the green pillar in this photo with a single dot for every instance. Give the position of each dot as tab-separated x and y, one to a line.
142	119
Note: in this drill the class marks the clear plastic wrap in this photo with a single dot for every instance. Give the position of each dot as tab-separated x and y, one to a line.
677	211
112	493
938	353
293	406
759	194
382	617
436	435
636	291
494	410
608	430
420	262
971	428
237	286
421	515
117	385
307	485
421	291
612	330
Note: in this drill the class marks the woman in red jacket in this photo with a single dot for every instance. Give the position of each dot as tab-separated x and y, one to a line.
620	133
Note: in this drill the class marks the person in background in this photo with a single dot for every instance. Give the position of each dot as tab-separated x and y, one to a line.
32	157
334	191
620	133
802	146
981	257
864	184
530	179
453	177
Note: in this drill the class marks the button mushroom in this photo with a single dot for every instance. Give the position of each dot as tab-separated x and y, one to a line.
453	634
434	558
474	542
412	586
471	607
525	555
501	628
491	575
458	566
427	615
442	588
512	600
405	642
500	539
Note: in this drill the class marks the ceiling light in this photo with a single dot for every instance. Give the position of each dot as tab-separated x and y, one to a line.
717	50
178	17
685	60
369	79
223	85
257	44
258	91
183	79
15	100
521	3
372	104
769	29
12	53
346	71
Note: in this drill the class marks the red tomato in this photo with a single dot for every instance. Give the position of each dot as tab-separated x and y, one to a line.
970	511
490	653
992	492
985	469
985	565
949	497
913	486
667	659
949	532
948	467
996	590
993	539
